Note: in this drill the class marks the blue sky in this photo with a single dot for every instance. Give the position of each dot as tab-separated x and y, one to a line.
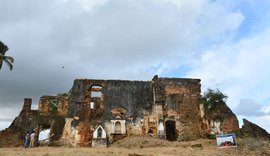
225	43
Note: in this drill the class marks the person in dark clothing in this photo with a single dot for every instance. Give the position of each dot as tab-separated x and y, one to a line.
27	140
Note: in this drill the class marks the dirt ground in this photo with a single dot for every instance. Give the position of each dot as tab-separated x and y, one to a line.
145	146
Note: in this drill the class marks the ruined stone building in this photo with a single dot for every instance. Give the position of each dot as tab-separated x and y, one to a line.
97	112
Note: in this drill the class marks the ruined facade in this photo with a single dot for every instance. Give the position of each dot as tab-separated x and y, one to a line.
250	129
50	115
128	108
167	108
217	120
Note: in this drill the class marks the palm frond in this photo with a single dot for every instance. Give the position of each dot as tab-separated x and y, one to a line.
8	63
1	59
3	48
1	63
7	59
11	59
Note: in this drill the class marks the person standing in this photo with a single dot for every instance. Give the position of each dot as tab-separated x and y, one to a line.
32	139
27	140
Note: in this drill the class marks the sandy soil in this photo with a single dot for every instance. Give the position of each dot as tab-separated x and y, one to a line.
150	151
139	146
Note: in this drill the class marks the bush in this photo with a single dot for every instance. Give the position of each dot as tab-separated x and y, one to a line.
211	97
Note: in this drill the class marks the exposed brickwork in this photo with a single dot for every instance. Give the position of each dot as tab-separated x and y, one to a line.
46	102
219	119
161	106
85	134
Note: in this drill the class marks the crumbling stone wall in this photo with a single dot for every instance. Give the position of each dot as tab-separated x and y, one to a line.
29	120
79	98
159	108
145	103
218	119
81	118
179	98
135	96
167	108
250	129
44	104
47	103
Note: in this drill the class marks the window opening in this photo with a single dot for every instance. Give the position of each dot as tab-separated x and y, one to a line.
53	105
92	105
96	91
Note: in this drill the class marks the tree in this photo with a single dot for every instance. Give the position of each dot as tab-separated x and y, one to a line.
212	97
3	58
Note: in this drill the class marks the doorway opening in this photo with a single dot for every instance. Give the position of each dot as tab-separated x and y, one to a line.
170	130
44	135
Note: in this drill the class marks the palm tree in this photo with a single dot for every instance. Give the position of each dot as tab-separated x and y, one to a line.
3	58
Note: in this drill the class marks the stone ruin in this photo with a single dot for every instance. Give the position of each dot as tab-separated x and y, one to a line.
167	108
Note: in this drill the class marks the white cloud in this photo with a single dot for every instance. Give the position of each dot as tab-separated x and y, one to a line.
4	125
265	109
90	5
128	40
248	107
124	36
241	65
240	70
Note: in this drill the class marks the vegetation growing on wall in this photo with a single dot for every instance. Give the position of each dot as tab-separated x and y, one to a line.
211	97
53	105
62	94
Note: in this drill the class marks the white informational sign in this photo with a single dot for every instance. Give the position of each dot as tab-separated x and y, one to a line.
226	140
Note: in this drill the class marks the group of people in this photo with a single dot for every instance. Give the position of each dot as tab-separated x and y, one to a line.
29	139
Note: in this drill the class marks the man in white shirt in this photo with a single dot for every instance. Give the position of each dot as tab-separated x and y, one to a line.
32	139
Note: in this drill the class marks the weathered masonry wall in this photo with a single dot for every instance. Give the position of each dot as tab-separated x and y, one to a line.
35	120
98	112
53	104
80	98
219	119
167	108
179	100
143	106
87	109
135	96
